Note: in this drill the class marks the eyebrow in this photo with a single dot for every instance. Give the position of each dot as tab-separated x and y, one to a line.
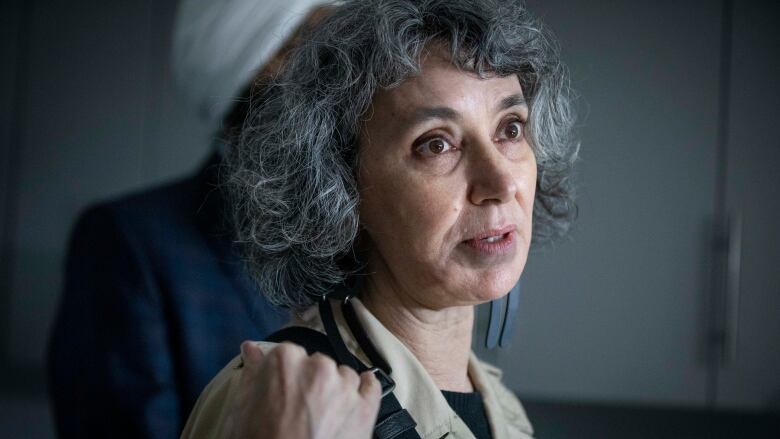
447	113
427	113
515	100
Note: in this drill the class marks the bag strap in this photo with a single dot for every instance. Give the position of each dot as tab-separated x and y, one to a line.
393	421
362	338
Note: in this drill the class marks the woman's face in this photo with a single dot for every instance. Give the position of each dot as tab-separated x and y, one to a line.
447	182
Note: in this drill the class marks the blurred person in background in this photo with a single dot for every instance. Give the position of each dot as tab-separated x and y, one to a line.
155	299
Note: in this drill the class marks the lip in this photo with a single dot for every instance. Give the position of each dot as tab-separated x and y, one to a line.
493	232
503	245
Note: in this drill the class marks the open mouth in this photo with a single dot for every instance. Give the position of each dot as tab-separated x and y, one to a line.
495	238
493	241
488	239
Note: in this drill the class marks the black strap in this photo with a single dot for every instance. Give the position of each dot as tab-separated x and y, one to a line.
393	421
364	342
342	354
398	424
311	340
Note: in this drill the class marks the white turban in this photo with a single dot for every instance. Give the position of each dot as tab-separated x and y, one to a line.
220	45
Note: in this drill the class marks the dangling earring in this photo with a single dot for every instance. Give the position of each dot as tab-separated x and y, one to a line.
499	332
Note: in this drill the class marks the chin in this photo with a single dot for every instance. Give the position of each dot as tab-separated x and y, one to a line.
495	285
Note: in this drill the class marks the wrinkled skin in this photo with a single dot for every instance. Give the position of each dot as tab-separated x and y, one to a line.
443	157
286	393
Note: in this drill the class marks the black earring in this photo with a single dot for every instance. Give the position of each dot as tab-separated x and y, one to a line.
499	332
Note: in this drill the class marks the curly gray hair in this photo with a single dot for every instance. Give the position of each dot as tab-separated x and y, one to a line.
291	178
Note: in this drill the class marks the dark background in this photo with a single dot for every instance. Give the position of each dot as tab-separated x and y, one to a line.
621	326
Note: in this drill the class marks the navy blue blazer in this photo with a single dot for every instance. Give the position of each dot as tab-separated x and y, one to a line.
155	303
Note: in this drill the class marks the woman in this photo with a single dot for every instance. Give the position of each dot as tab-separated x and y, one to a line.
412	150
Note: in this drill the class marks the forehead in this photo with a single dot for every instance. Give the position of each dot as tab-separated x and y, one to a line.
441	83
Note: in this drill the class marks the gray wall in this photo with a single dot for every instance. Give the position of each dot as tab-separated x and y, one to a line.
10	90
751	189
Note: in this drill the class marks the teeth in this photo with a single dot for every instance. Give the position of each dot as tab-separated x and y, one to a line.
493	238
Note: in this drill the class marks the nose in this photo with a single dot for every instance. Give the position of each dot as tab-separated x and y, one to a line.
492	180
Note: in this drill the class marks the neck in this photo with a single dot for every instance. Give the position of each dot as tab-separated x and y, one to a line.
440	339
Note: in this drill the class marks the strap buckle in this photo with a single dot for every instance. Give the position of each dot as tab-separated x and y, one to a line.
388	385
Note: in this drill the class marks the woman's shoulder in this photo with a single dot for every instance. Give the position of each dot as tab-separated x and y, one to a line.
505	400
211	409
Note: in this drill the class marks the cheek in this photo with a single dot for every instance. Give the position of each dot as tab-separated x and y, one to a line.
527	188
526	196
408	218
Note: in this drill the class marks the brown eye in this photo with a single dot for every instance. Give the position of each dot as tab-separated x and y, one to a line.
434	147
513	130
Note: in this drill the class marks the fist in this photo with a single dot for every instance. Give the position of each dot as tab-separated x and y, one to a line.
286	393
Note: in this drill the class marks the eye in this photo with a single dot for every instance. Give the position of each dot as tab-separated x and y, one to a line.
512	130
433	147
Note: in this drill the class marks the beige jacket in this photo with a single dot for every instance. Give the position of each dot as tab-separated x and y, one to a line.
415	389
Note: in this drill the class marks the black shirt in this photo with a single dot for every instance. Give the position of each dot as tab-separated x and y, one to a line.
470	408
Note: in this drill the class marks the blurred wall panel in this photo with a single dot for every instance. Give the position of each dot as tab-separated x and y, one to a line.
615	312
11	36
101	118
752	378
